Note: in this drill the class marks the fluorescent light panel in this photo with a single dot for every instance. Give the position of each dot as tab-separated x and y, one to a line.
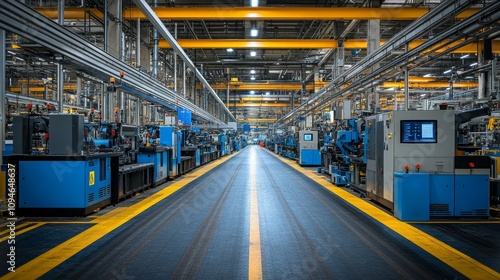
254	32
254	3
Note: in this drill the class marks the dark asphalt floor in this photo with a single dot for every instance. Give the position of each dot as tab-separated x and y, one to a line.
202	232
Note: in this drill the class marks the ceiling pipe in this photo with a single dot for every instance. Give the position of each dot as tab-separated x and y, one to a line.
146	9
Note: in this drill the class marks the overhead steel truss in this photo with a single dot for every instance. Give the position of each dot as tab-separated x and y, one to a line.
437	16
18	18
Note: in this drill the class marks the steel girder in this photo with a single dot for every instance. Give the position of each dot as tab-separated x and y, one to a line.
26	22
442	13
158	24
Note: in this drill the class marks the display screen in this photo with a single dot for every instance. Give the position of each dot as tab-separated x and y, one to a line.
308	137
419	131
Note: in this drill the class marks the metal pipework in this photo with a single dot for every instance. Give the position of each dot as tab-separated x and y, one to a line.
153	18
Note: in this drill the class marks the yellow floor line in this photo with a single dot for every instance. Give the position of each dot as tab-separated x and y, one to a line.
19	232
106	223
18	227
464	264
254	255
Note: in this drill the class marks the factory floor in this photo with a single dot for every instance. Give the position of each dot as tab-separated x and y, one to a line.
250	215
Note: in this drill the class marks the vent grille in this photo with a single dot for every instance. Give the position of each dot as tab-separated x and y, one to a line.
104	191
439	210
91	197
474	213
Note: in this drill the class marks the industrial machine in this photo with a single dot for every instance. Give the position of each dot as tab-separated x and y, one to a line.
54	175
420	146
308	148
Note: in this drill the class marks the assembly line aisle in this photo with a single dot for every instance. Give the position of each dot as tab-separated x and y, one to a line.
247	216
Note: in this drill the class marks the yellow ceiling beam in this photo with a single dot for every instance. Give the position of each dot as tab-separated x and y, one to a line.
258	86
69	13
37	89
264	99
415	82
304	44
253	44
257	120
258	105
283	13
430	85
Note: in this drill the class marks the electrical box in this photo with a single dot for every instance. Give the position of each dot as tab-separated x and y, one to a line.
66	134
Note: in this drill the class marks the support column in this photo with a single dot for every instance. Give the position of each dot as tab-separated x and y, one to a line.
155	46
111	106
407	86
184	79
227	91
145	55
3	110
340	59
317	80
138	44
78	90
481	93
175	61
373	45
121	117
115	29
137	112
60	78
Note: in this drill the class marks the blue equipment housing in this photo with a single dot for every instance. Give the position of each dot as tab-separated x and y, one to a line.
159	156
58	185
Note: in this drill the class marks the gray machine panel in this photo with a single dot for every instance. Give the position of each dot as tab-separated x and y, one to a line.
308	139
387	153
66	134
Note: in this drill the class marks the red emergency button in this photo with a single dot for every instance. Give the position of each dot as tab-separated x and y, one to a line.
471	165
417	166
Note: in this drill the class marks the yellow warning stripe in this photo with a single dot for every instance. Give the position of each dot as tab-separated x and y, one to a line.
459	261
104	225
18	226
19	232
255	255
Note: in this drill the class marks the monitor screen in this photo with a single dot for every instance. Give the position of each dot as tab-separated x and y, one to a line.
308	137
419	131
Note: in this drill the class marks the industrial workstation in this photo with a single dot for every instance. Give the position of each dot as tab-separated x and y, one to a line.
257	139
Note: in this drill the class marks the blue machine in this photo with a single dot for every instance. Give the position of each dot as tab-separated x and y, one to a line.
411	196
289	147
64	185
308	148
472	186
346	144
171	138
223	147
159	156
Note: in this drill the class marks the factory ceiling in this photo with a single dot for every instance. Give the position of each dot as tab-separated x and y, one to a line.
277	48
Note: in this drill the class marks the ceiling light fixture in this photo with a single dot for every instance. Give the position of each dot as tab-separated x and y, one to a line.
254	32
254	3
253	53
447	71
252	92
252	71
252	78
230	50
473	64
464	56
427	75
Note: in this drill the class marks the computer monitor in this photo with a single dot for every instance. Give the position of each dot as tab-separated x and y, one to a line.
418	131
308	137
